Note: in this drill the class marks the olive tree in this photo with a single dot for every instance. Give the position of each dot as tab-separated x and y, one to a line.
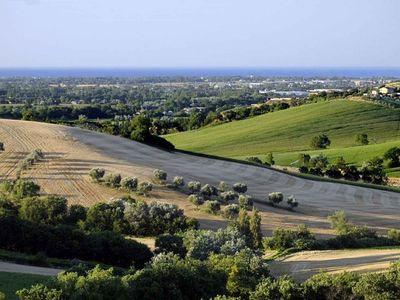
222	187
245	202
113	180
227	196
160	176
194	186
231	211
209	190
144	188
178	182
97	173
292	202
129	183
240	188
275	198
320	142
196	199
212	206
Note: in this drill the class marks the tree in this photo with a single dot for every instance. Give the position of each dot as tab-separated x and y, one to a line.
160	176
362	139
245	202
303	160
222	187
231	211
168	243
113	180
373	171
340	163
129	183
240	188
25	188
270	159
178	182
255	229
227	196
194	186
292	202
97	173
339	222
320	142
320	161
144	188
212	206
275	198
1	146
76	213
209	190
283	288
196	199
243	224
393	156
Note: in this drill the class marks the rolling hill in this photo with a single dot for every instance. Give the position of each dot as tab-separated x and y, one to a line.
289	132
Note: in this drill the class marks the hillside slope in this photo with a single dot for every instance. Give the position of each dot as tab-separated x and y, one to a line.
289	132
71	152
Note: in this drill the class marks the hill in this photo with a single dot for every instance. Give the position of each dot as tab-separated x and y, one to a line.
289	132
71	152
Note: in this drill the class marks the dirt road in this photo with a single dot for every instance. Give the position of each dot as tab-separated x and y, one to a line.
303	265
72	152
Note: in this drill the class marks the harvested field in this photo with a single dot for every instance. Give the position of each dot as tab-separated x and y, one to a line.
305	264
71	152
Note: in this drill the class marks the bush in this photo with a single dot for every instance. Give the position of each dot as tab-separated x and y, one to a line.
97	173
240	188
209	190
362	139
231	211
320	142
113	180
254	159
270	159
76	213
178	182
291	202
227	196
194	186
48	210
196	199
301	239
1	149
144	188
222	187
160	175
25	188
319	161
212	206
245	202
275	198
129	184
168	243
333	172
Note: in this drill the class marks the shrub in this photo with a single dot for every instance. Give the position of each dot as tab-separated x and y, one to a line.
194	186
281	238
209	190
245	202
254	159
339	222
319	161
275	198
394	235
113	180
227	196
270	159
1	146
144	188
333	172
25	188
240	188
178	182
76	213
97	173
168	243
222	187
292	202
160	175
362	139
303	169
129	184
320	142
48	210
231	211
393	156
196	199
212	206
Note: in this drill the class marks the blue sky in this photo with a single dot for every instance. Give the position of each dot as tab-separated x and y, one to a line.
199	33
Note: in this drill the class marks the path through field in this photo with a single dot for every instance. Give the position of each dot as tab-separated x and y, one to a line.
72	152
303	265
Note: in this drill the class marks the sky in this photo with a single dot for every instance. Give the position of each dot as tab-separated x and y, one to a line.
199	33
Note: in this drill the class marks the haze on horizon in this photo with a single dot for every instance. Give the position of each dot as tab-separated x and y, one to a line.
202	33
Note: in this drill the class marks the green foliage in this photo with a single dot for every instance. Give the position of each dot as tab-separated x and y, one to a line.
292	202
255	230
196	199
275	198
231	211
168	243
194	186
372	171
320	161
76	213
40	292
283	288
227	196
160	175
144	188
320	142
129	184
245	202
105	217
212	206
178	182
393	156
97	173
270	159
362	139
113	180
303	160
2	149
240	188
339	222
223	186
46	210
281	238
209	190
25	188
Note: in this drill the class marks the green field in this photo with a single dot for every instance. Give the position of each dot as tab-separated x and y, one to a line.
12	282
287	133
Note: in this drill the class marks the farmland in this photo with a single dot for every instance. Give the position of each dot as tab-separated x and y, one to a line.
71	152
288	133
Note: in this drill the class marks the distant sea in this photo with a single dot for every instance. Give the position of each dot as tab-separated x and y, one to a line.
196	72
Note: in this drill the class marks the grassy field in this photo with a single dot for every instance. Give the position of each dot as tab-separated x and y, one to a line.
12	282
289	132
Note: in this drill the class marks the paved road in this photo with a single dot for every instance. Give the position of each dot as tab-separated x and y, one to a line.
17	268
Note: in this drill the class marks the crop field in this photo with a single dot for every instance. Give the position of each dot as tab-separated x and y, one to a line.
71	152
303	265
289	132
